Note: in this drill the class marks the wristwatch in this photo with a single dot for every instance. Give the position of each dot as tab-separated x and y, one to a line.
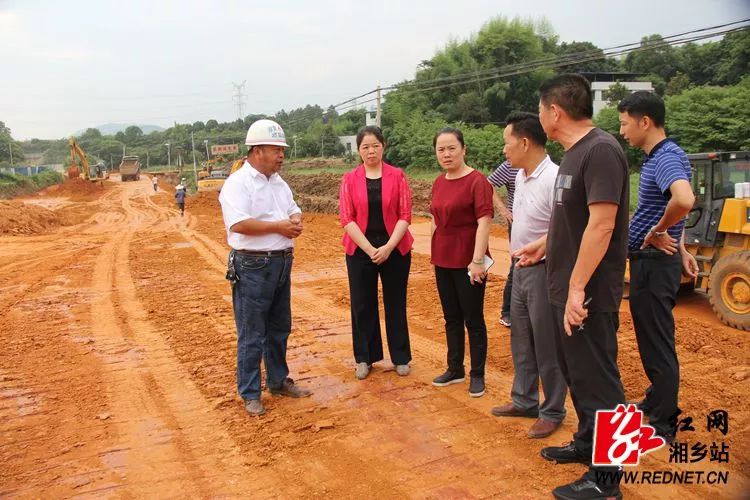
658	233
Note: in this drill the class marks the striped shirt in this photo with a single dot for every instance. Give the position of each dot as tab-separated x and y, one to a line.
664	165
505	175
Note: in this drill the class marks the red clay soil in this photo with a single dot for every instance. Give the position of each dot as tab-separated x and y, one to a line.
117	376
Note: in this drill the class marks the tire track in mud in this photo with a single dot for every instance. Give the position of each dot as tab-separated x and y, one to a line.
170	440
307	310
333	378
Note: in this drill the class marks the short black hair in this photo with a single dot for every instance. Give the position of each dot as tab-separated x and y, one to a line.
571	92
644	103
370	130
449	130
527	125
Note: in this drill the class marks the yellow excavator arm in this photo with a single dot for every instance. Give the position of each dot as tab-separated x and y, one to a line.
77	152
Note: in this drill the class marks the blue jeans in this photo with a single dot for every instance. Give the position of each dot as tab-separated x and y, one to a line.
263	315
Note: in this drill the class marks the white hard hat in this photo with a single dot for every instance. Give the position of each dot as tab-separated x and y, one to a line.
265	132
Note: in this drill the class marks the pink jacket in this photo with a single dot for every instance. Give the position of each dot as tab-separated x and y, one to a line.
396	204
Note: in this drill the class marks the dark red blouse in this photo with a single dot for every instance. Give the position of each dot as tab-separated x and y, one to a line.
456	206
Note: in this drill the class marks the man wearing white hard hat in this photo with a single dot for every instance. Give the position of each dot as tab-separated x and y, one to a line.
262	221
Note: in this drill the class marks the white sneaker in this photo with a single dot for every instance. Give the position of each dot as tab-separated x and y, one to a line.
362	371
403	370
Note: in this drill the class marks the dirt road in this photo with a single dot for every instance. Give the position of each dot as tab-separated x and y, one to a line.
117	374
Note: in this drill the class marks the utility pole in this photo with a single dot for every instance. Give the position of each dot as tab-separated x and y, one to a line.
377	111
195	165
239	98
10	150
208	157
295	147
169	156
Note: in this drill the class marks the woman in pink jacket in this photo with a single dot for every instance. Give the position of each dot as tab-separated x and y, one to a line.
375	211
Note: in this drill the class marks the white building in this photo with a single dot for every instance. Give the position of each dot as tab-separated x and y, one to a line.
349	142
601	82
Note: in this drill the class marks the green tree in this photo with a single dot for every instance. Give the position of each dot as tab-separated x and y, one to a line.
616	93
577	50
677	84
655	58
133	135
710	118
734	59
9	146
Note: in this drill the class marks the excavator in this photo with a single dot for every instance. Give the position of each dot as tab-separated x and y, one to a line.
214	181
78	156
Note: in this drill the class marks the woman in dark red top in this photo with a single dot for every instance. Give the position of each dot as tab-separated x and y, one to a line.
375	211
462	211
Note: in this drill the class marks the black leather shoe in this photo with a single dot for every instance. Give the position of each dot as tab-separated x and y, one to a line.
567	454
586	489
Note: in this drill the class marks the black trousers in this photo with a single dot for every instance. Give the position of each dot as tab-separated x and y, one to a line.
463	306
588	360
654	283
363	290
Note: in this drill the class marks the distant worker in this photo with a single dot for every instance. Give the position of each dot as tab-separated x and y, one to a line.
375	211
657	252
155	181
505	175
261	220
179	196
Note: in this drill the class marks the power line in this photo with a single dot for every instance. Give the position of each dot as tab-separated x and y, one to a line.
511	70
560	61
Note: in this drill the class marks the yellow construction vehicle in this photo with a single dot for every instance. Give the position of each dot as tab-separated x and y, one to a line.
78	156
717	233
215	180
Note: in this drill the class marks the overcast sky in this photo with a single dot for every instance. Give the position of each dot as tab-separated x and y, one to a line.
65	66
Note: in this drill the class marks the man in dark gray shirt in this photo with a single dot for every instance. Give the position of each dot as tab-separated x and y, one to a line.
585	248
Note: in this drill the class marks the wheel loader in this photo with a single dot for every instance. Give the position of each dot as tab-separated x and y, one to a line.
717	233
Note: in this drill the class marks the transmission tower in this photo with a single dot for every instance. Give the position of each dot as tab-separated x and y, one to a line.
239	98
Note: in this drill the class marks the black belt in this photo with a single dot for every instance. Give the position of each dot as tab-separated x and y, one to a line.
648	253
515	261
270	253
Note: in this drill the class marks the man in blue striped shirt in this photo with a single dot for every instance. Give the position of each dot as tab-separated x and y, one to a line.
505	175
657	252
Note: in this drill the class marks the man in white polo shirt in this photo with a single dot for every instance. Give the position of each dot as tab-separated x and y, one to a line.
532	330
262	221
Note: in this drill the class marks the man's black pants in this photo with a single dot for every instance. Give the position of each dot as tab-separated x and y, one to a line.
363	289
588	360
654	283
463	306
